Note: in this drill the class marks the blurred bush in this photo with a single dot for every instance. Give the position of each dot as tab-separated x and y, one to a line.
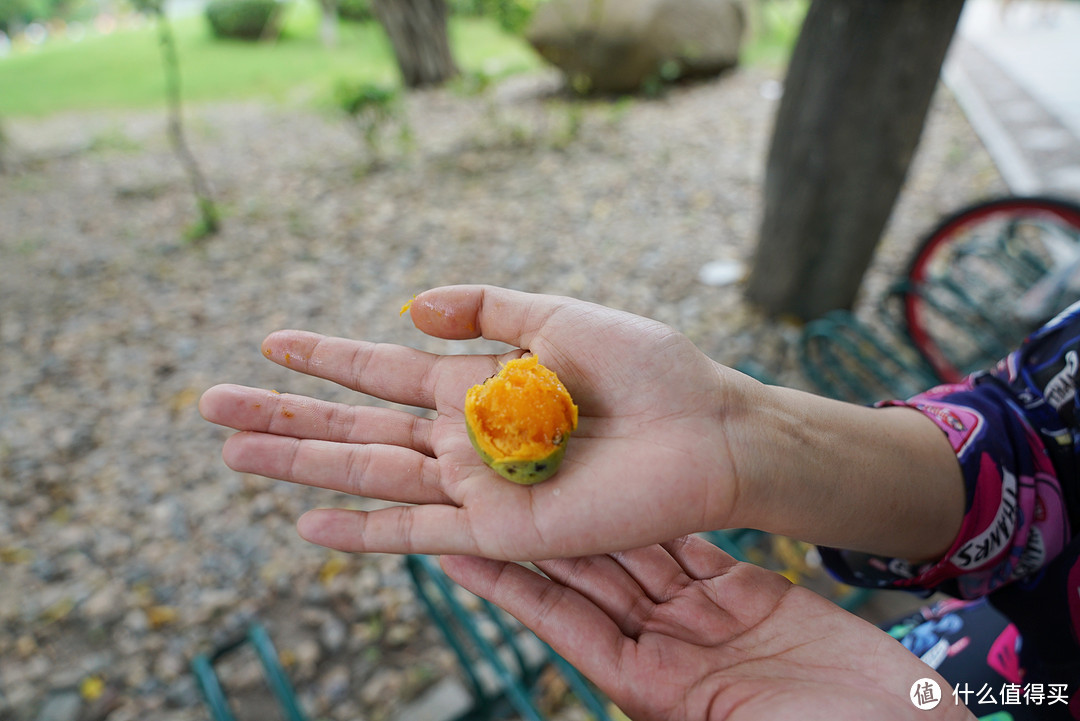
358	11
360	98
373	108
244	19
511	15
15	15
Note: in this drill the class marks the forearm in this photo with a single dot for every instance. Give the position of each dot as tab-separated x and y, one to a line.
879	480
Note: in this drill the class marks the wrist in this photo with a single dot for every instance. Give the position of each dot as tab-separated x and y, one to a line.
883	481
744	424
763	434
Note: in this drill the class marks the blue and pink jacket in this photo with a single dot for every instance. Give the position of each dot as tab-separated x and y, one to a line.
1016	433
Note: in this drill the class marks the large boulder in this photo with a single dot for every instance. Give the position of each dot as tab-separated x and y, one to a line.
622	45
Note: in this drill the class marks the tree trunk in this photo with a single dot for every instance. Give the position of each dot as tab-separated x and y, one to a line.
210	221
418	33
856	95
328	23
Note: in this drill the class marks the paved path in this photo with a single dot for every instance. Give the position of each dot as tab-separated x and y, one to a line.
1016	73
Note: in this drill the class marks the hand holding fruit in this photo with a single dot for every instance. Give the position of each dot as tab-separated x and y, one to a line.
649	460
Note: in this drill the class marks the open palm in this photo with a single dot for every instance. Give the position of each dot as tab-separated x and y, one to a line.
646	464
683	631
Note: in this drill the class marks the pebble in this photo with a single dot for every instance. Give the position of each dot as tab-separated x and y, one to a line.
106	604
332	634
335	685
136	621
169	667
61	706
121	528
384	684
307	654
183	693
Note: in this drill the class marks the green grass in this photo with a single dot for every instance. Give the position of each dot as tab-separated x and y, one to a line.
124	70
774	28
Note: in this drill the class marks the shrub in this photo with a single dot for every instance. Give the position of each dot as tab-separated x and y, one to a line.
244	19
372	108
358	11
468	8
511	15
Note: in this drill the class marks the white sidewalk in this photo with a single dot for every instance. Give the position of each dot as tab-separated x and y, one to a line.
1016	72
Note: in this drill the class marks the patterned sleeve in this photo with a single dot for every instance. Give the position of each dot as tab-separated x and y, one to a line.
1013	432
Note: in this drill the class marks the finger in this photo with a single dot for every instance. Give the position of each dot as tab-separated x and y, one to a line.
391	473
569	336
470	311
607	584
255	409
429	529
391	372
698	558
739	588
570	623
655	571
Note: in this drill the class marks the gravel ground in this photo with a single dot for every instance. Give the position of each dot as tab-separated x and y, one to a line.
126	546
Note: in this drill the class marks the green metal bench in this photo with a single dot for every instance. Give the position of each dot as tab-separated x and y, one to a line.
849	359
213	693
502	661
864	359
978	283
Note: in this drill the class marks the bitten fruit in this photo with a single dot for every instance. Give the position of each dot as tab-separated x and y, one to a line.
520	420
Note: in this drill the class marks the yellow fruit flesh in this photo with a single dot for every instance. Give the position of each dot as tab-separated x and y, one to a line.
522	414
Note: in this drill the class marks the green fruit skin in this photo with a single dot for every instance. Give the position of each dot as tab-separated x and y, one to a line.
525	473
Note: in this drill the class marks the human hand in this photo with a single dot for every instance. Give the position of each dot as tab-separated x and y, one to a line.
683	631
647	463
